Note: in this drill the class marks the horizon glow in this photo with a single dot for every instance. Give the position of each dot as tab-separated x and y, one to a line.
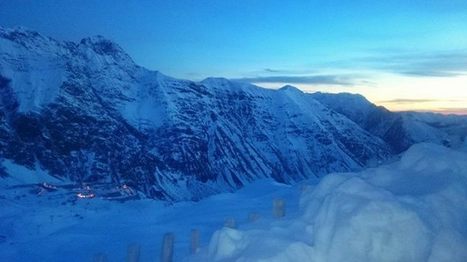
451	98
404	55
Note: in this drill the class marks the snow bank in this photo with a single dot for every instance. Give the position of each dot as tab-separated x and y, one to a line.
411	210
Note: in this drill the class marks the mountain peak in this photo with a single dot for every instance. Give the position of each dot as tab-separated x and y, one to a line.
18	31
229	85
216	80
290	88
26	37
103	46
351	99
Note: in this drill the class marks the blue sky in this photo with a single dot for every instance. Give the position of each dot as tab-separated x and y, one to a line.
386	50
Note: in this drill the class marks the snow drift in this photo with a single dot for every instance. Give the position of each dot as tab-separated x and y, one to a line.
411	210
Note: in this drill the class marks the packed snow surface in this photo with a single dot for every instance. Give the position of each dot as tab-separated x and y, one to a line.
412	210
47	227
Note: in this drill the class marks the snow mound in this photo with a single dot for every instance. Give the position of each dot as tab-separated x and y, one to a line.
411	210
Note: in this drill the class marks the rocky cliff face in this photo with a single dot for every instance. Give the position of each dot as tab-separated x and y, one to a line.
86	113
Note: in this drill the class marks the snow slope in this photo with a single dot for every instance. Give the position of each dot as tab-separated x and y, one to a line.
411	210
46	227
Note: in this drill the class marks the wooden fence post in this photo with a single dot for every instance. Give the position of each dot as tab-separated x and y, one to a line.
167	247
253	217
230	222
100	257
194	241
304	188
278	208
133	253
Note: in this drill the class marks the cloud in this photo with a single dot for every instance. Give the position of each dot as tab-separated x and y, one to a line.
428	73
285	71
270	70
417	100
408	101
455	110
309	79
402	62
433	64
448	110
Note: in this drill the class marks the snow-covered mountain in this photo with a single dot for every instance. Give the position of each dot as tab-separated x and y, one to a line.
85	113
398	129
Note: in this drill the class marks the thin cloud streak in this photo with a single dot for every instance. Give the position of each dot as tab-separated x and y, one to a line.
411	101
436	64
415	64
315	80
285	71
455	111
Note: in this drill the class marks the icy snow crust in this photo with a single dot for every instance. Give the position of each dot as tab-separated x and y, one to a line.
411	210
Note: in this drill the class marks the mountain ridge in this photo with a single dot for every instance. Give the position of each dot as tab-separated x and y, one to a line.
399	129
87	114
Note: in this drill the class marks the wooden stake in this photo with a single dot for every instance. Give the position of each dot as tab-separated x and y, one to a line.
253	217
194	241
230	222
167	247
278	208
133	253
304	188
100	257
